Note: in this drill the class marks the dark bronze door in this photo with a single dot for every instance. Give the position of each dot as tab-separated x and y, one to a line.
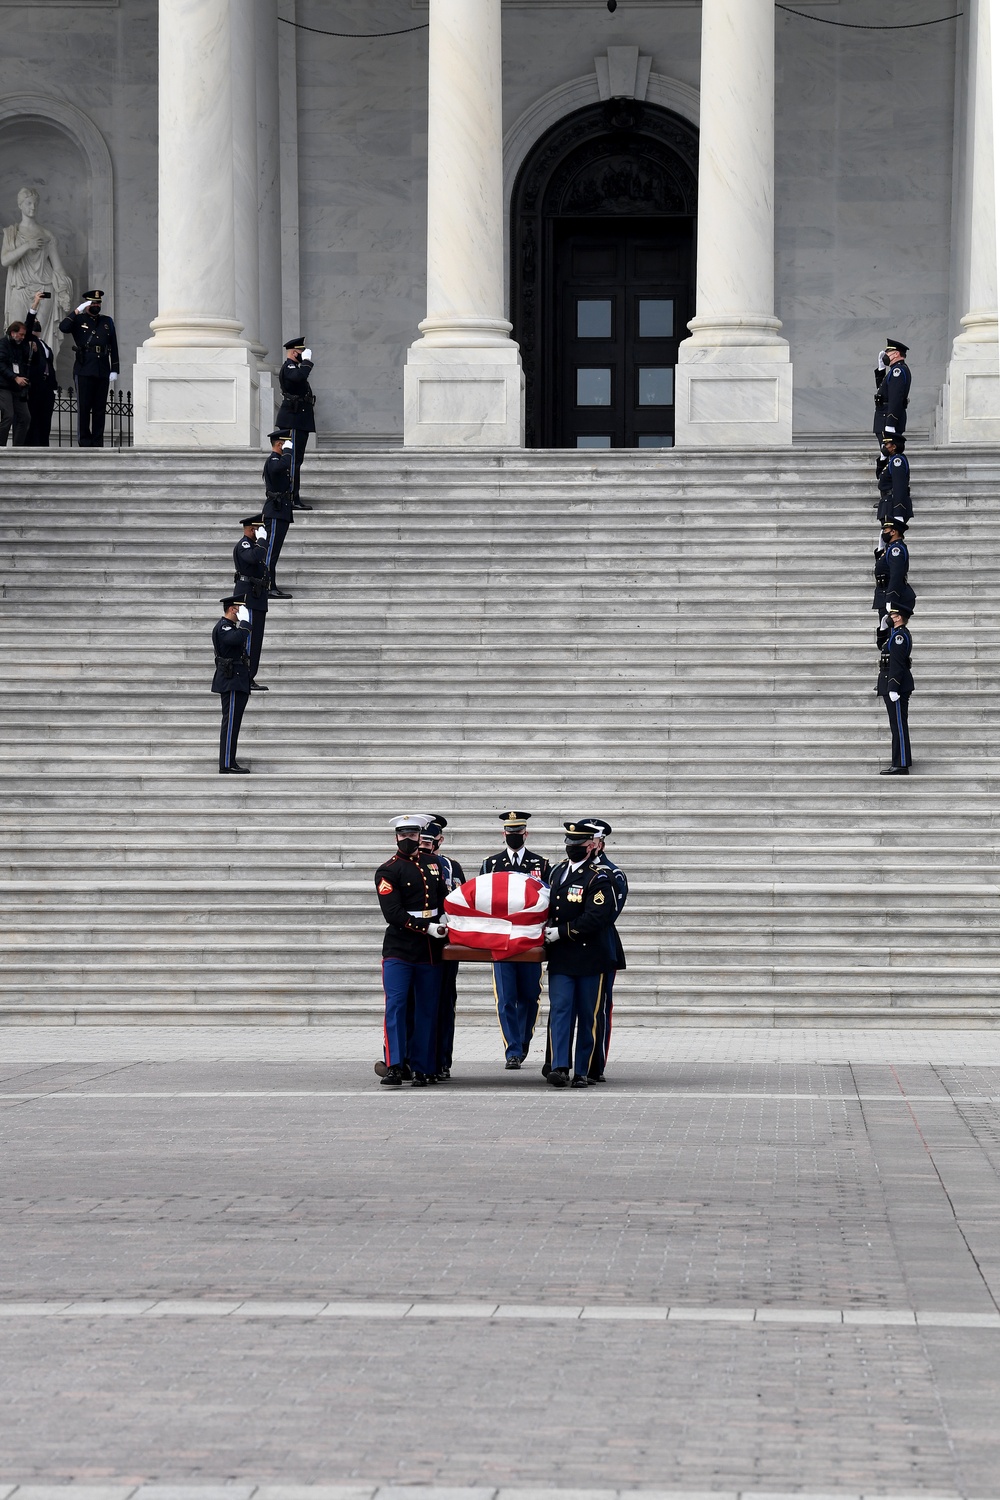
622	298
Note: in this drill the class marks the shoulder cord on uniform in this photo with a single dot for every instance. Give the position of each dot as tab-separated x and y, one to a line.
859	26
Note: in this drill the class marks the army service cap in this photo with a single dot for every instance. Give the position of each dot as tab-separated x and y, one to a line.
513	821
582	829
298	343
902	349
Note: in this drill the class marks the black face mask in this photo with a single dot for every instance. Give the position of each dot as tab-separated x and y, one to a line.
407	847
515	841
576	852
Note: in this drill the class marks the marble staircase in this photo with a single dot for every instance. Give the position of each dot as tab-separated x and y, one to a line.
679	642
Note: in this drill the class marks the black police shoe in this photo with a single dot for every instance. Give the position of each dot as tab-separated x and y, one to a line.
580	1081
279	594
258	687
596	1078
895	771
513	1065
234	770
559	1078
420	1081
300	505
442	1075
393	1078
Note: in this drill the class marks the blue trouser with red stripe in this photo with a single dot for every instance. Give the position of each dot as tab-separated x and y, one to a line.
518	989
400	979
574	998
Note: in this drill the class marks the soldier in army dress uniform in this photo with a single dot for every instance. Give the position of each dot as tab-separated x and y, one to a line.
619	882
580	950
517	987
96	365
231	641
411	893
277	512
453	876
296	412
250	587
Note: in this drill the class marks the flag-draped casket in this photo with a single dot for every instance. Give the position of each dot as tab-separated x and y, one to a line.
501	916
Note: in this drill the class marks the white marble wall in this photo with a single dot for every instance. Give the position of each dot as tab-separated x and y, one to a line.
102	60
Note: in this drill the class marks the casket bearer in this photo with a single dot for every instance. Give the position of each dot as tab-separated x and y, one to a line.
453	876
580	949
517	987
411	894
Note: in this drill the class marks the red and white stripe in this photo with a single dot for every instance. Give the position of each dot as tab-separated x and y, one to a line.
504	914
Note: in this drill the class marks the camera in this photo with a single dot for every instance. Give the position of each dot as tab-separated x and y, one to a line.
45	294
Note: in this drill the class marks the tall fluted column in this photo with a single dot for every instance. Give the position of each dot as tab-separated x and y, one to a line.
269	208
245	185
463	381
195	379
734	379
970	400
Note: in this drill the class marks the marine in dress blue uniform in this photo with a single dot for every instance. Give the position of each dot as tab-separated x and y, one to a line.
411	894
892	388
96	365
619	882
230	641
277	509
250	587
517	987
453	876
297	409
580	950
893	474
895	684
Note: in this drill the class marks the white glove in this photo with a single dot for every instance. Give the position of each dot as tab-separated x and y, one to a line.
287	446
552	934
83	307
438	930
113	376
307	354
261	534
893	697
881	360
243	615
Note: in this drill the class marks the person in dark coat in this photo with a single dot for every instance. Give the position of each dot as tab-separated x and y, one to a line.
895	684
517	987
893	473
230	641
453	875
411	894
43	387
14	411
580	949
250	586
892	388
96	366
277	512
296	412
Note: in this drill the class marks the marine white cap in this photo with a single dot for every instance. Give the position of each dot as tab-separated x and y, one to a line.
411	820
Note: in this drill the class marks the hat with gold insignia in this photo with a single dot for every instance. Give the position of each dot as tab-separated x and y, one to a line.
298	343
410	823
902	349
514	820
95	296
252	521
587	828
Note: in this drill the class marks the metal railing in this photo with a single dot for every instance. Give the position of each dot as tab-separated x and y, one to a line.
118	421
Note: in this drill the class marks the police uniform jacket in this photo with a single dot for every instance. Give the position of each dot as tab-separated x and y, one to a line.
411	893
95	341
41	367
278	487
583	906
619	882
250	583
891	567
297	400
232	660
894	675
893	394
531	864
894	489
14	362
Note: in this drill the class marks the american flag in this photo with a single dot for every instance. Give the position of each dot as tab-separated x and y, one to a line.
504	914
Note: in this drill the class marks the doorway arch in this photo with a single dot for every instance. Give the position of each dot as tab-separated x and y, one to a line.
603	218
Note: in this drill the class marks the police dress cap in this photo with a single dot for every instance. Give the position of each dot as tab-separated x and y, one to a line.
228	603
432	829
893	523
273	437
93	296
586	828
299	343
252	521
514	819
902	349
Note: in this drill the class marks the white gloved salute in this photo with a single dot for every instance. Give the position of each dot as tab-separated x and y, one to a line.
83	307
552	934
881	360
243	615
307	354
287	446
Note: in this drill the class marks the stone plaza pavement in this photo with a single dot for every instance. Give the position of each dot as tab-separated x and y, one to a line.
753	1263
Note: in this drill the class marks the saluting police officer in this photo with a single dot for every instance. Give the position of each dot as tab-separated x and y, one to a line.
95	367
892	564
895	684
893	473
892	388
411	894
250	587
619	884
453	875
579	950
296	411
517	986
230	641
277	511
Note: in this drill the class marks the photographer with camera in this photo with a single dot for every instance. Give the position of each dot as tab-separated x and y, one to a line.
230	641
296	411
96	366
43	386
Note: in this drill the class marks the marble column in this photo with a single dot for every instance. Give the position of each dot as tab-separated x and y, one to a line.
463	384
970	401
195	380
269	180
734	377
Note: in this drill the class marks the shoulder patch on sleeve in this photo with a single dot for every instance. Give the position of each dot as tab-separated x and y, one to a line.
897	373
900	641
898	463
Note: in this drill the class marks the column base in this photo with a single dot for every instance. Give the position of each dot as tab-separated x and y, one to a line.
201	396
268	404
970	399
463	397
733	397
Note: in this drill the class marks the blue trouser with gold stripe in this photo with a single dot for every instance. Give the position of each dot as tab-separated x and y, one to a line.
574	998
400	980
518	991
602	1041
446	1014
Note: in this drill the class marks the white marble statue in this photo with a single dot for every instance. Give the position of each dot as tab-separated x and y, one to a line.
31	256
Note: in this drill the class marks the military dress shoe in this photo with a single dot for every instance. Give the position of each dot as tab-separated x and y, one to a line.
895	771
559	1078
300	505
442	1075
580	1081
279	594
392	1078
234	770
420	1081
513	1065
258	687
596	1078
